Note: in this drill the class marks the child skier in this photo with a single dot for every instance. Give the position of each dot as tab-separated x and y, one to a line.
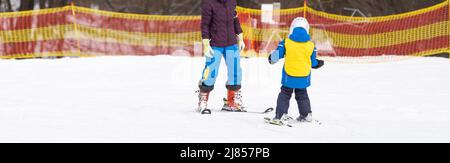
300	56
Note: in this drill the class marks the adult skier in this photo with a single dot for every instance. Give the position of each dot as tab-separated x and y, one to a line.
222	37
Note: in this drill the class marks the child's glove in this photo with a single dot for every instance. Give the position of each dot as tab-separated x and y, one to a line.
319	65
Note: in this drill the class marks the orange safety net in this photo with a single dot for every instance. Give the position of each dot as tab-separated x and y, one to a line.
78	31
418	33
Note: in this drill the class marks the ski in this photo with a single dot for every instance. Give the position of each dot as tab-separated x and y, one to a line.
225	104
314	122
277	123
290	122
269	110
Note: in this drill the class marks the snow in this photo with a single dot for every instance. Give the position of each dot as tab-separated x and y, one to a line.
152	99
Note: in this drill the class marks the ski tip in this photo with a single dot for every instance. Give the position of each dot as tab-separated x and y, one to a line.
206	111
269	110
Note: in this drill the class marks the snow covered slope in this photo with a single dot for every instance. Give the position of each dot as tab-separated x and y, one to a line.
152	99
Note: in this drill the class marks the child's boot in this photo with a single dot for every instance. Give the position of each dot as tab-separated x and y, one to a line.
305	118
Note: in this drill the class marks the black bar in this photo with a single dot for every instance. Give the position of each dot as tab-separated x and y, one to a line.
221	152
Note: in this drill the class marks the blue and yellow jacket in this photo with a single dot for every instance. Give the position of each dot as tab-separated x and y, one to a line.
300	57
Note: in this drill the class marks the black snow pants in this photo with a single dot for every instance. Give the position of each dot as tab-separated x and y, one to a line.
301	95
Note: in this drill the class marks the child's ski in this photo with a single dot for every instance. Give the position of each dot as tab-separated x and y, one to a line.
315	122
290	122
277	122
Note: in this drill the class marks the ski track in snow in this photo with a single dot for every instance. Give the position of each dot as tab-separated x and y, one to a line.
152	99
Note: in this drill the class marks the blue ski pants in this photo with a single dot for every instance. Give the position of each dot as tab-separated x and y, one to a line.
232	58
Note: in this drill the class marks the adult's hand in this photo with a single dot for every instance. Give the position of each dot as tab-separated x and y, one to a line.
241	42
207	49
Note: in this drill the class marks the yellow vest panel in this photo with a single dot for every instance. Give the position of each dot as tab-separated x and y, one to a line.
298	58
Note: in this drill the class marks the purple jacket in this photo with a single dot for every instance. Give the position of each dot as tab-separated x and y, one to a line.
220	22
